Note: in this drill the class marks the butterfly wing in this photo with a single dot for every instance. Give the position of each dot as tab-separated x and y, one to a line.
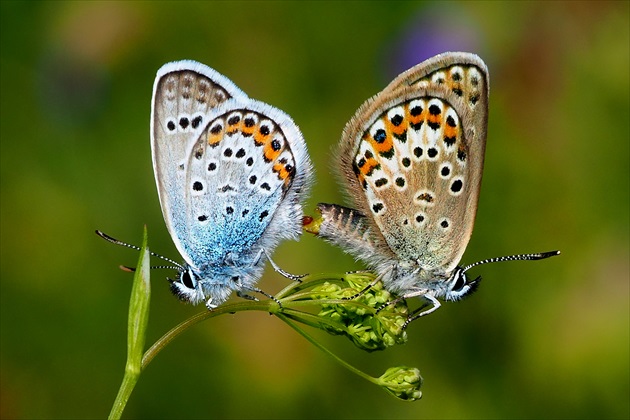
413	159
185	94
244	179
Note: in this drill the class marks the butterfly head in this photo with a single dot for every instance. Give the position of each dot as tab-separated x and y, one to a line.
187	287
459	286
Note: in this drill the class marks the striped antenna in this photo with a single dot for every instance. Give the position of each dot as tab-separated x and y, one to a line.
108	238
526	257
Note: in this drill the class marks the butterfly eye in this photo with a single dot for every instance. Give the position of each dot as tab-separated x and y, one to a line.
187	280
459	283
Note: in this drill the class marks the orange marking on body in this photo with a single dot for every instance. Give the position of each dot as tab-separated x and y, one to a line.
415	119
214	139
282	172
368	168
248	130
396	129
270	154
233	128
435	119
387	144
450	131
260	138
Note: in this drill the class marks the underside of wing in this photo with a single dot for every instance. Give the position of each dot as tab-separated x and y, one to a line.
413	159
243	180
185	96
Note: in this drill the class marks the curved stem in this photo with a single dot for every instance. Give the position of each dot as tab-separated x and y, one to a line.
325	350
149	355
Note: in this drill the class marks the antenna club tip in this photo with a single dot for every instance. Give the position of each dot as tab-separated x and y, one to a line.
550	254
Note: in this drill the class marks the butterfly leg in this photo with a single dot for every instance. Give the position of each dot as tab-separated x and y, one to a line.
210	305
290	276
257	290
369	286
365	289
390	303
431	300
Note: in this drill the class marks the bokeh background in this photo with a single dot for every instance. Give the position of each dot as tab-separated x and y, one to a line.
545	339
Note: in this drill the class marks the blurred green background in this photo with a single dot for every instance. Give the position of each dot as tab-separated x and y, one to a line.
542	339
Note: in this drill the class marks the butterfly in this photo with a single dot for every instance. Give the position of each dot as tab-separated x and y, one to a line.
231	174
412	161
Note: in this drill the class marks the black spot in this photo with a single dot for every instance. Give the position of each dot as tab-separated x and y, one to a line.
227	152
387	154
406	222
226	188
216	129
434	125
434	110
235	279
474	99
265	186
450	121
400	181
380	136
417	126
240	153
456	77
444	224
372	169
288	167
264	130
402	137
355	169
234	120
276	145
419	218
229	210
458	91
170	125
212	166
202	218
249	161
432	152
380	182
445	171
181	167
249	122
198	153
474	81
264	214
196	121
416	110
457	185
368	154
440	80
406	162
397	120
197	186
426	197
449	141
252	179
417	152
183	122
244	213
364	184
461	155
377	207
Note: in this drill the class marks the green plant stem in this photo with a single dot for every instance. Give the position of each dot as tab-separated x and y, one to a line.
124	392
266	305
325	350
